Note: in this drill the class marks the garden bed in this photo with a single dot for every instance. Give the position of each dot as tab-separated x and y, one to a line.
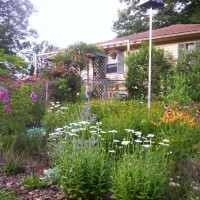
12	183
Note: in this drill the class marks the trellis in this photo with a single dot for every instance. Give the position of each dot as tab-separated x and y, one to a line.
99	71
99	74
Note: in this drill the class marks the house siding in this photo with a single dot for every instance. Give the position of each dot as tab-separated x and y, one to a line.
171	48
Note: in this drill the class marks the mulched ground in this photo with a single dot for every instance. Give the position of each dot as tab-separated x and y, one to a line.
12	183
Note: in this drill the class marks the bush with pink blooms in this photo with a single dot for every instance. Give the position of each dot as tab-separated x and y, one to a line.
64	83
22	103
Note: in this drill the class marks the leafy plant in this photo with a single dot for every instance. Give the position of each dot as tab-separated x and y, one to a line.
137	75
188	67
31	145
140	177
12	163
8	196
175	89
33	181
20	104
83	171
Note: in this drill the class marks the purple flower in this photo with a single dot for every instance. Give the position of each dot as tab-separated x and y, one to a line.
33	96
166	107
175	102
4	95
7	108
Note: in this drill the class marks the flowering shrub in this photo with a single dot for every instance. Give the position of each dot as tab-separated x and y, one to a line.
4	95
22	103
64	83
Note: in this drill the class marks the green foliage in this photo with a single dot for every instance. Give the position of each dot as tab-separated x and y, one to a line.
124	151
189	67
8	196
76	55
137	75
30	145
12	162
14	28
39	48
58	115
140	177
175	89
82	168
11	64
22	105
33	181
128	23
64	83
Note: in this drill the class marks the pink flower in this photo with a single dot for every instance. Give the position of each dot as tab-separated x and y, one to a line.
7	108
167	107
175	102
198	113
33	96
4	95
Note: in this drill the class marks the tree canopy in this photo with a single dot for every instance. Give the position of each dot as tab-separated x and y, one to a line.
135	19
11	64
14	24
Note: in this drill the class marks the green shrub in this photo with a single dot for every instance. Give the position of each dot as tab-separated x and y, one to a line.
12	162
33	181
189	67
175	89
64	83
137	75
21	104
31	145
82	167
126	164
8	196
58	115
140	177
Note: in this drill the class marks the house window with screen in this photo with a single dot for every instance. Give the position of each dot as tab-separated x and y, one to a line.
116	65
182	47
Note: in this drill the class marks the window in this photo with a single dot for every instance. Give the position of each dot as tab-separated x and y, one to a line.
116	65
188	47
111	68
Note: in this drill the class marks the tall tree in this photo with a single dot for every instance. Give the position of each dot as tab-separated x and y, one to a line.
14	24
135	19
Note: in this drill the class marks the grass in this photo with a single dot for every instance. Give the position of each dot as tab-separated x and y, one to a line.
4	195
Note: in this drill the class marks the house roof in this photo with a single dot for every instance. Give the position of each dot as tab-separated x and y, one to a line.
174	30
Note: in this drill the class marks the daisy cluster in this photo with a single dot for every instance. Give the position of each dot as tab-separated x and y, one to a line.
95	131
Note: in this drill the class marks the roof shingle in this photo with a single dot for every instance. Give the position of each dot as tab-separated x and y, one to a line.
161	32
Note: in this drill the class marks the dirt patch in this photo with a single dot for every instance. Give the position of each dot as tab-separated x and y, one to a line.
12	183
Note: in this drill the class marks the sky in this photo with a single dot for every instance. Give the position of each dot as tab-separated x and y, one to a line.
66	22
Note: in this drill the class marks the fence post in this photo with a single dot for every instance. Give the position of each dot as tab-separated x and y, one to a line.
47	88
105	88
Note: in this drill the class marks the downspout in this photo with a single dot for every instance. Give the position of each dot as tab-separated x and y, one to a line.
128	45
